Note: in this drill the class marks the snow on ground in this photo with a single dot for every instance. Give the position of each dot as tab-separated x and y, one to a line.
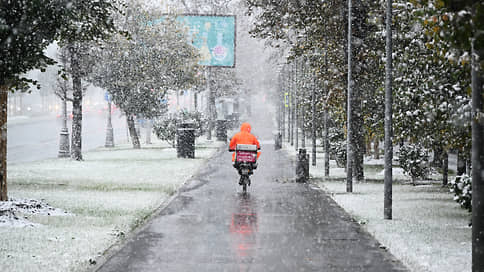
106	196
10	209
429	231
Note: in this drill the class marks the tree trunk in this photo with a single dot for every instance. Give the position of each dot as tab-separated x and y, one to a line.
212	114
283	125
326	118
438	156
76	145
109	128
369	141
359	157
469	166
477	163
388	176
148	131
376	148
132	131
3	142
236	104
289	120
303	131
280	114
195	101
358	137
64	110
445	168
461	163
326	143
137	125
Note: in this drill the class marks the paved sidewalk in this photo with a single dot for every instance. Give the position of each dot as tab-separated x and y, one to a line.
279	226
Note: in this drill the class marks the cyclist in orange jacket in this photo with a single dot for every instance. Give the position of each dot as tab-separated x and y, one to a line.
243	137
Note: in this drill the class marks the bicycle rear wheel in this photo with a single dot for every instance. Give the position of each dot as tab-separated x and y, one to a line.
243	182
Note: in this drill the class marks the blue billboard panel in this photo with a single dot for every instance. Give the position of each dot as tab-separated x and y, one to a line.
214	36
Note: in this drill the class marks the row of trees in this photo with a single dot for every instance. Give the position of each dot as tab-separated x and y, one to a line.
437	53
140	70
120	47
431	72
105	43
27	28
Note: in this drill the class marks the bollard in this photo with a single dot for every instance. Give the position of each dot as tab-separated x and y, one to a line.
302	167
185	140
277	141
221	130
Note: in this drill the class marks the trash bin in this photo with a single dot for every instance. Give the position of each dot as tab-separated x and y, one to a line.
277	141
221	130
185	140
302	167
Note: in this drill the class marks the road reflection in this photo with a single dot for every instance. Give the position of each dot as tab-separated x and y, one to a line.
243	229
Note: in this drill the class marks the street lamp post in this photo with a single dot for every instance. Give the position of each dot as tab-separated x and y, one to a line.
109	127
349	112
326	142
313	120
211	105
64	147
291	104
284	105
303	107
387	203
326	115
296	108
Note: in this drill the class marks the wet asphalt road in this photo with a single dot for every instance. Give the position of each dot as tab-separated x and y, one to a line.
38	138
278	226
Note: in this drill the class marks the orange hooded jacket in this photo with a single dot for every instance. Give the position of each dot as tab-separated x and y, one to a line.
243	137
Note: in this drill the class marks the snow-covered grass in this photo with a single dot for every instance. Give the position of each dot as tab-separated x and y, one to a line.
429	231
107	195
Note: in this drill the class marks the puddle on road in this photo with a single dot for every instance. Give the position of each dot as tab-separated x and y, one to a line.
244	228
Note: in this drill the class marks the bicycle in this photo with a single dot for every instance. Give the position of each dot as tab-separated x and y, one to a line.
245	163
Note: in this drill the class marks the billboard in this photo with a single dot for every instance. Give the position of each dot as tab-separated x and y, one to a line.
214	36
